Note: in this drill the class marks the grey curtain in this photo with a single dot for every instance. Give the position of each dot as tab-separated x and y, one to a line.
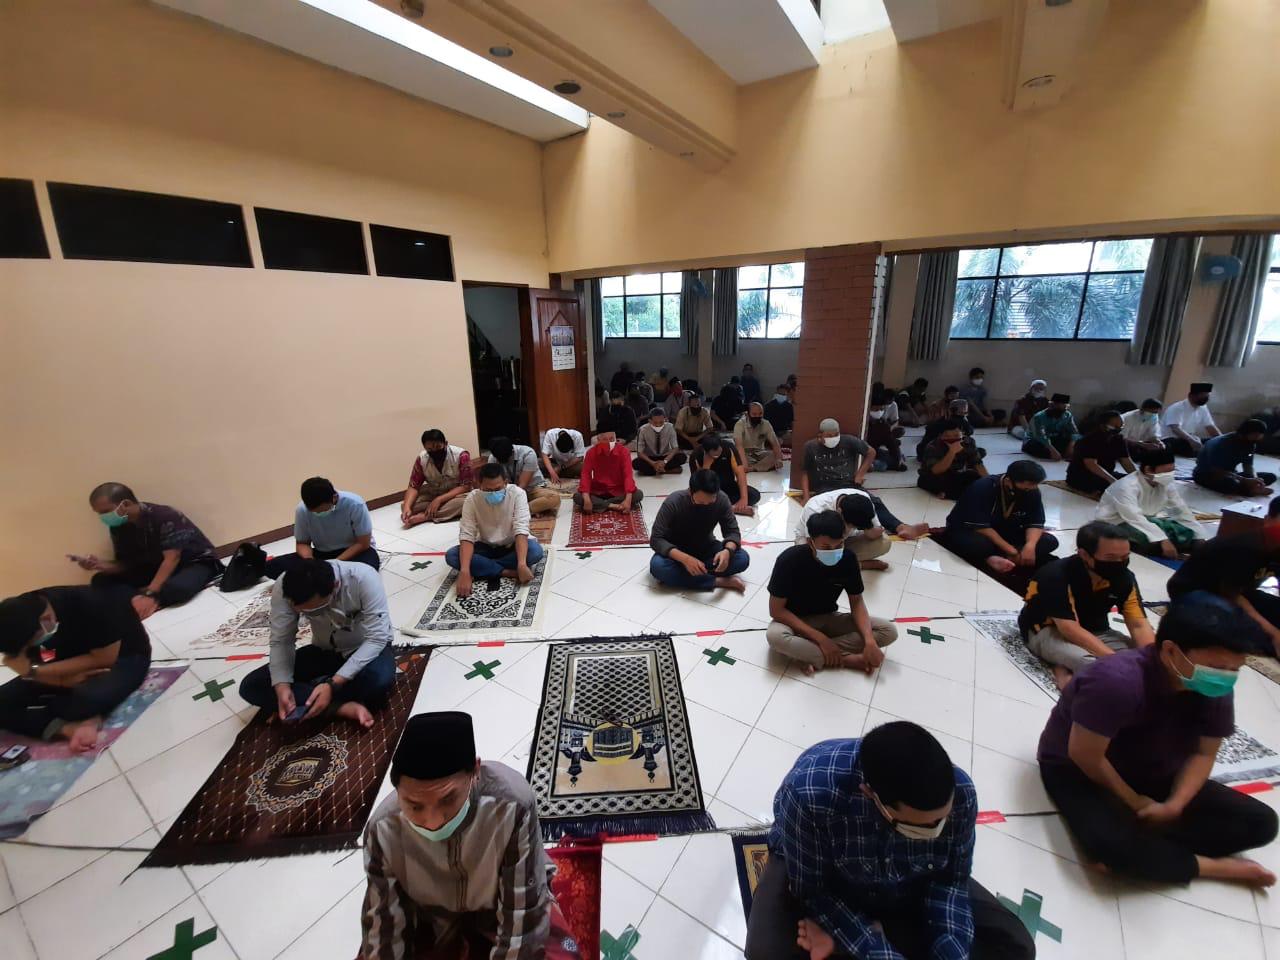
595	313
724	313
1165	290
935	302
1240	306
690	294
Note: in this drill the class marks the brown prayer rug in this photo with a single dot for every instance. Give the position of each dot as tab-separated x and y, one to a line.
285	789
543	526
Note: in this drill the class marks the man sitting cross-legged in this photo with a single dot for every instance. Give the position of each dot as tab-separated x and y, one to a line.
871	856
721	456
1065	618
1146	504
440	478
520	465
657	450
454	858
1141	428
950	463
757	440
1186	424
1093	459
804	591
867	524
685	553
493	538
999	521
1052	434
1127	753
328	524
1225	463
833	461
608	482
562	453
101	654
347	669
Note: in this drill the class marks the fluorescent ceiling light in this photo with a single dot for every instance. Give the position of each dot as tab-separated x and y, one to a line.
381	22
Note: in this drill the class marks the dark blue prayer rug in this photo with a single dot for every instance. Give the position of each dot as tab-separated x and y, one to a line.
751	854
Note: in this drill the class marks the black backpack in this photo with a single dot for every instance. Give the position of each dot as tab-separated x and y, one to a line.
247	566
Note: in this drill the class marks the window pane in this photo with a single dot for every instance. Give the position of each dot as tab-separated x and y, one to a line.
1111	306
642	316
644	283
671	282
1037	307
671	315
1121	254
1047	258
787	275
784	313
752	277
751	310
1269	321
611	311
610	286
979	263
1275	252
973	306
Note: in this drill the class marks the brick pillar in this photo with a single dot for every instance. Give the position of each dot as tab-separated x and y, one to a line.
843	288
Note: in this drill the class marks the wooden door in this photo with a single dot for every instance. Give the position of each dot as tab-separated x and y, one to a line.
554	348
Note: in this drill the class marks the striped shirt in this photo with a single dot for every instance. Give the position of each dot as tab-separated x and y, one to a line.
493	869
845	861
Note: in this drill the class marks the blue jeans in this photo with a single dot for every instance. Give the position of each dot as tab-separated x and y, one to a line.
371	686
488	561
670	573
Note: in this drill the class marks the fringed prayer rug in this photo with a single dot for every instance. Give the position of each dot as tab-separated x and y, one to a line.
1240	758
28	791
1063	485
542	526
285	789
251	627
751	853
607	528
498	606
612	752
576	887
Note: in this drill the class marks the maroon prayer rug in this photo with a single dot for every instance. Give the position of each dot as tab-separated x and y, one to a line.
608	528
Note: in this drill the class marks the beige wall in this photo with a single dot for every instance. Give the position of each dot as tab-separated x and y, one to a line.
1175	117
219	390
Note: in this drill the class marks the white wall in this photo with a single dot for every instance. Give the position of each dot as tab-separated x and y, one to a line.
496	311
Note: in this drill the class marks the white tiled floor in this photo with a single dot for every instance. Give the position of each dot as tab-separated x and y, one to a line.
750	719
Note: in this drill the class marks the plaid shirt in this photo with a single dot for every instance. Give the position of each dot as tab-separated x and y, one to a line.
841	852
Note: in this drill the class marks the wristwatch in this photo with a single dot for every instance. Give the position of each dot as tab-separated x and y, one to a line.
148	592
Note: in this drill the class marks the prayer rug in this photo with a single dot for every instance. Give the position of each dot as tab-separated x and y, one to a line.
542	527
1240	758
607	528
506	606
751	853
568	487
285	789
30	790
251	627
1269	667
1063	485
612	752
576	887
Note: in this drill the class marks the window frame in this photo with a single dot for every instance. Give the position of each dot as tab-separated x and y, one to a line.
1084	292
1273	272
768	289
662	317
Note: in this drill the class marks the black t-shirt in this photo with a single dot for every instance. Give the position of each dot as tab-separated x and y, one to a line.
810	586
934	430
1106	448
725	467
1229	566
780	416
1066	590
93	617
832	468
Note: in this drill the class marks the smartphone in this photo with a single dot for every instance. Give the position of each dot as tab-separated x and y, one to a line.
301	693
75	558
14	756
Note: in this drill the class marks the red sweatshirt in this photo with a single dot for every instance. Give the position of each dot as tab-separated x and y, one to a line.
607	473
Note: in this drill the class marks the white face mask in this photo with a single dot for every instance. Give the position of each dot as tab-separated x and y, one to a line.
1161	479
1038	394
976	381
911	831
612	444
831	442
877	414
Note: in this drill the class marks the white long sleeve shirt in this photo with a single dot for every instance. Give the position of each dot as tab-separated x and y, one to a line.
1134	500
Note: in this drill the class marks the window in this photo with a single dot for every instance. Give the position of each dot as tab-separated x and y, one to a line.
1084	290
1269	321
410	253
21	233
301	241
769	300
643	306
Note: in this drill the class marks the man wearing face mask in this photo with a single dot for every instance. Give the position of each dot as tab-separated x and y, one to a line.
162	559
328	524
867	524
757	440
1141	428
608	482
998	522
781	414
439	479
347	670
1187	424
685	554
1127	753
1065	620
975	392
101	654
1094	458
454	857
1225	464
1027	406
871	855
493	538
1147	506
951	462
882	433
695	421
1052	434
520	466
804	594
833	461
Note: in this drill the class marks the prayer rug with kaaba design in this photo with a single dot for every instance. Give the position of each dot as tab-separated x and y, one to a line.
608	528
285	789
751	853
612	752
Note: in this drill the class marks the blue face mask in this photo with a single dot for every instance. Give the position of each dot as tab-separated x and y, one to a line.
780	397
495	497
113	519
829	557
1208	681
448	830
322	513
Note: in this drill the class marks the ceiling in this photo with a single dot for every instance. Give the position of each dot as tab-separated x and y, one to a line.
749	40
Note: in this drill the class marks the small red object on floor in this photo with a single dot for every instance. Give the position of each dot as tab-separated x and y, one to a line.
492	643
709	633
629	838
990	816
1257	786
912	619
247	656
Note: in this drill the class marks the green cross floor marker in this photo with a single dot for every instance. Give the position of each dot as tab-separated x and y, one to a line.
1029	913
186	942
482	669
927	636
420	565
213	690
585	555
619	948
719	656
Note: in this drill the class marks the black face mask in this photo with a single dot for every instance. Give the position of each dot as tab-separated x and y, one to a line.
1113	430
756	421
1111	570
1055	413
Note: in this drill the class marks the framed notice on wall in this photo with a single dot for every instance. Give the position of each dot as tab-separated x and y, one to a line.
563	356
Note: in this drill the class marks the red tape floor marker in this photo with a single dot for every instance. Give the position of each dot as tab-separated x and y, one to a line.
912	619
246	656
990	816
492	643
1257	786
709	633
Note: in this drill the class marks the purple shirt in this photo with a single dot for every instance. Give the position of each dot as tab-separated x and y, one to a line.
1129	697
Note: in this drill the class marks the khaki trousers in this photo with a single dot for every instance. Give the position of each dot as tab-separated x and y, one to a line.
761	461
839	627
544	499
451	510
